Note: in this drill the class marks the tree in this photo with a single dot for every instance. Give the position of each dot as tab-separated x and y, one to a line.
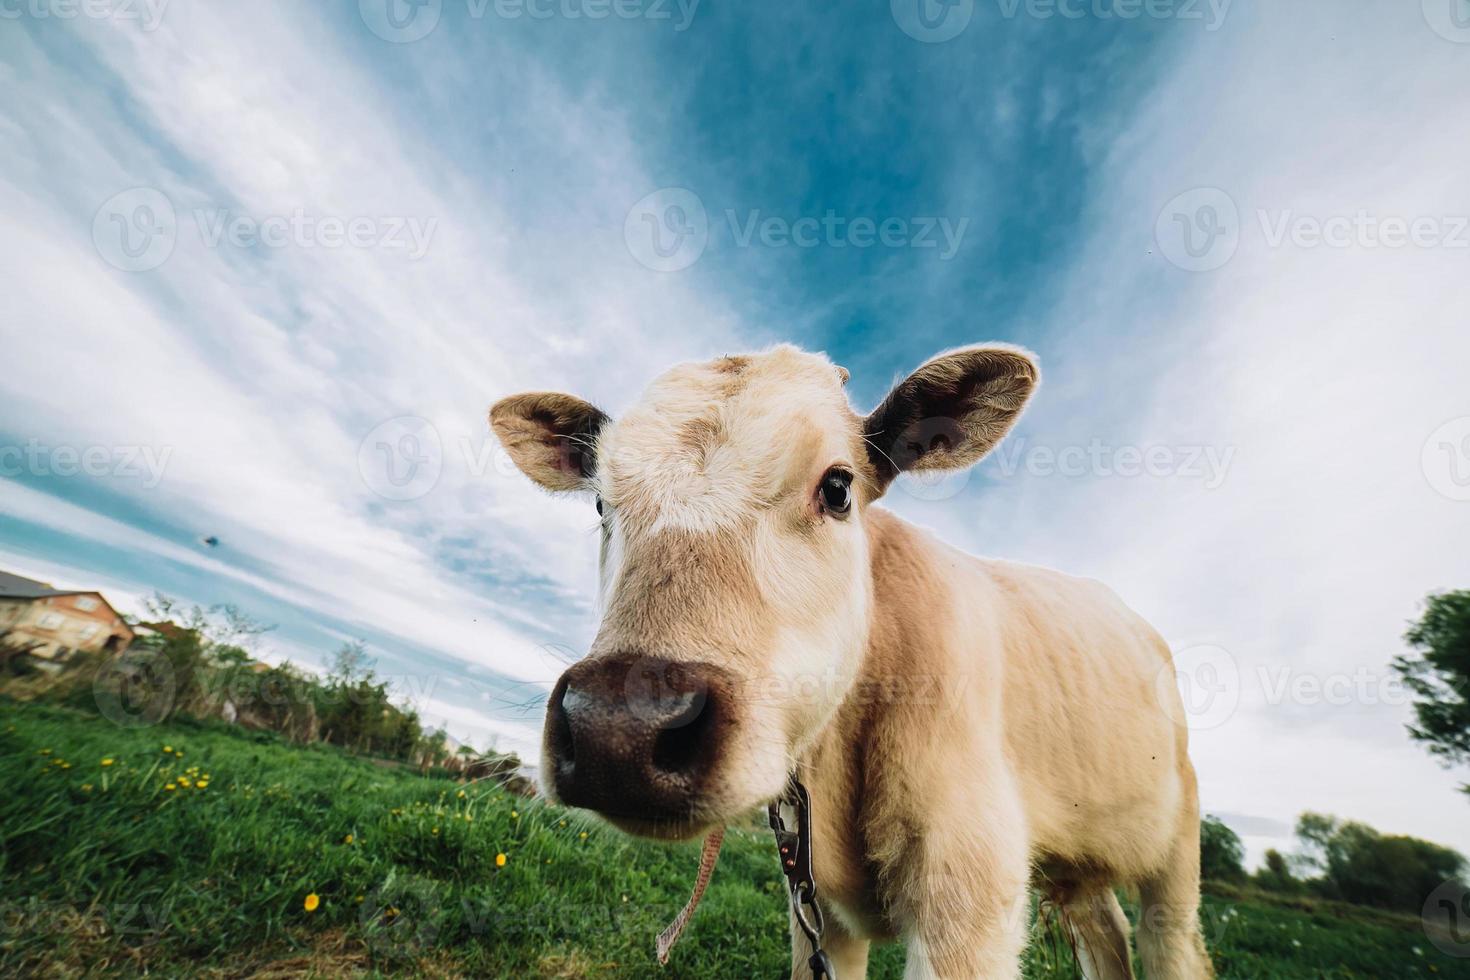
1438	674
351	664
1358	864
1276	876
1221	854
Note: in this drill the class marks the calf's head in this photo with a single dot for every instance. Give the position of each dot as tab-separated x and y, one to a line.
736	592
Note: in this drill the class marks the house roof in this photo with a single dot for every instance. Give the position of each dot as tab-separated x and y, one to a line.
16	587
19	587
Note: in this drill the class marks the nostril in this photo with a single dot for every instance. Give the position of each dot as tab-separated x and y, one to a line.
685	741
563	746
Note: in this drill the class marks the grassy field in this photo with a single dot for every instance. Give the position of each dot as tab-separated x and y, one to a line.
200	850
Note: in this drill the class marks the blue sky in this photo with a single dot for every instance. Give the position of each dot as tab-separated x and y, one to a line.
1190	210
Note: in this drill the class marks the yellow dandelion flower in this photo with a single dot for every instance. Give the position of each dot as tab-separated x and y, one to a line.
107	762
435	830
500	860
170	787
582	835
347	839
562	823
44	752
202	784
183	780
168	748
311	903
460	794
514	815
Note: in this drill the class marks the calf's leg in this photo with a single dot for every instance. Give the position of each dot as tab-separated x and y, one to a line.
967	911
1170	942
1099	933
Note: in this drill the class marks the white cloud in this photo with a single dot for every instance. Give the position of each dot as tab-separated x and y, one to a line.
260	372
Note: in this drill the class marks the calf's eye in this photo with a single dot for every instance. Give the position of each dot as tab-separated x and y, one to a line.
835	492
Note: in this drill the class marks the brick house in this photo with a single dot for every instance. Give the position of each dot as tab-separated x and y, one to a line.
51	624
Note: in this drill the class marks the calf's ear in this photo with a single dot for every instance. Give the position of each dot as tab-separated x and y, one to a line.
550	436
950	412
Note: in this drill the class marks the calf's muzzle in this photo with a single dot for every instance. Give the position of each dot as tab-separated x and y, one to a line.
637	737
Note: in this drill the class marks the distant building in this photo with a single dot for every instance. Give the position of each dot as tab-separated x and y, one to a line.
52	624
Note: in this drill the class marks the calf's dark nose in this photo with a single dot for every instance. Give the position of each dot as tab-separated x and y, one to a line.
635	736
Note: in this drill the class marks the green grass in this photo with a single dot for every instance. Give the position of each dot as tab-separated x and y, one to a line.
105	870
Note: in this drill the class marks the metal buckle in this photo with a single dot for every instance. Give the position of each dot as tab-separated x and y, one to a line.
795	850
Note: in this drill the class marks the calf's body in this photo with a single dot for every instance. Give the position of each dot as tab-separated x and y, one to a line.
1011	726
966	728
